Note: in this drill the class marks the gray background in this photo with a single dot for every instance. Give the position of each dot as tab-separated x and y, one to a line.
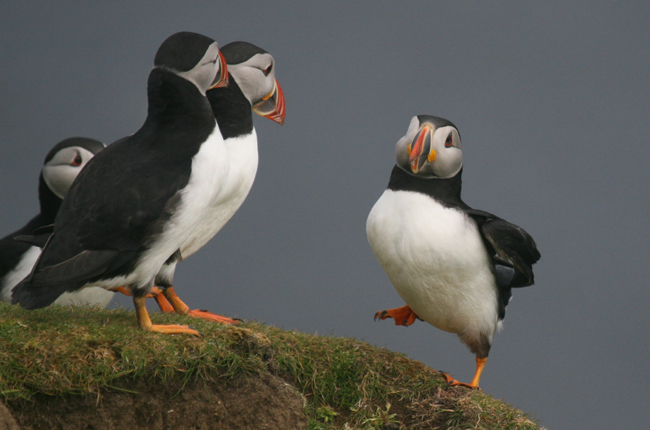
552	103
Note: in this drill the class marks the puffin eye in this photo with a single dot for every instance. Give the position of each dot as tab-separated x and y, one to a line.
267	70
449	141
77	160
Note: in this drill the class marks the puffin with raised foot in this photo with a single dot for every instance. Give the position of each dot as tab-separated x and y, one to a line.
62	165
454	266
252	88
137	202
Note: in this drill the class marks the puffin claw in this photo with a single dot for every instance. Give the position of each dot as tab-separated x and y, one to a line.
200	334
402	316
451	382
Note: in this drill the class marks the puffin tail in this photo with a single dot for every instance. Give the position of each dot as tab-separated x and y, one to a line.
31	297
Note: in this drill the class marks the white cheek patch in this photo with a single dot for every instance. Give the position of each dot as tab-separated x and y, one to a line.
59	173
203	74
59	179
251	79
449	160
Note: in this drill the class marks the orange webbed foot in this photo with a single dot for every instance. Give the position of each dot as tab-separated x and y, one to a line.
480	365
181	308
402	316
451	382
144	322
173	329
200	313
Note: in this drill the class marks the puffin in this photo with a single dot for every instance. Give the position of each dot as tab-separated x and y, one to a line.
61	166
252	87
137	202
454	266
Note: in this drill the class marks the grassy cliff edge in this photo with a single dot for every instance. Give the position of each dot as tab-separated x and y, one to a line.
56	355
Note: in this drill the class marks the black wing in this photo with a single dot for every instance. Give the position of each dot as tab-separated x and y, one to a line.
38	237
119	203
510	247
513	253
106	220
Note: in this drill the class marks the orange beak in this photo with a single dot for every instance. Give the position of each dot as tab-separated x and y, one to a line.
421	142
221	79
271	106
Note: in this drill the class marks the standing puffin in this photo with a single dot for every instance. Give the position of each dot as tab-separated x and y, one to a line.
62	165
252	87
454	266
131	210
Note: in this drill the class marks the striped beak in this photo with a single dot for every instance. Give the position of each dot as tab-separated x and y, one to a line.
419	150
221	80
271	106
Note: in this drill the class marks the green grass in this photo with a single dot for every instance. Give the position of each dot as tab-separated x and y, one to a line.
60	351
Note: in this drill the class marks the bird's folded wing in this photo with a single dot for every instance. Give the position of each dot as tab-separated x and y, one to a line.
85	265
511	243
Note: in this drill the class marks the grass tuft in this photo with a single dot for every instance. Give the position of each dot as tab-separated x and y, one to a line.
348	384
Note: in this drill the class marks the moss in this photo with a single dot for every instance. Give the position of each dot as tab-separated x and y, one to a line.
61	351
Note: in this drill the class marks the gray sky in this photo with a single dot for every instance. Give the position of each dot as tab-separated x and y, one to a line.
551	100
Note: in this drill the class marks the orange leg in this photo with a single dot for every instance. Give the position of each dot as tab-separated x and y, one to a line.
145	322
162	301
183	309
402	316
156	294
480	365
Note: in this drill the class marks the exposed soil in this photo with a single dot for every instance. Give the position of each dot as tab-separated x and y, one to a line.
7	421
256	402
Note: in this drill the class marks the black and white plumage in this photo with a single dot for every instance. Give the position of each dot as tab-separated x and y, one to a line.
252	88
454	266
62	165
131	209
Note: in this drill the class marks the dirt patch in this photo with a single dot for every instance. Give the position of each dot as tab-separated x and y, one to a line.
255	402
7	422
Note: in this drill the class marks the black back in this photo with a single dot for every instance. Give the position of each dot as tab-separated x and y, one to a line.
512	250
122	198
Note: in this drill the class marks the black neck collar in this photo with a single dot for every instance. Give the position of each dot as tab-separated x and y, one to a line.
173	99
50	202
445	191
232	110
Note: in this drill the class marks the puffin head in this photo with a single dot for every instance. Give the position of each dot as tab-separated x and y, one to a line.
194	57
431	148
65	160
254	70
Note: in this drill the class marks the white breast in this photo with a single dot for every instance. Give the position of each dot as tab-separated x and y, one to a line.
243	161
435	258
93	296
209	173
